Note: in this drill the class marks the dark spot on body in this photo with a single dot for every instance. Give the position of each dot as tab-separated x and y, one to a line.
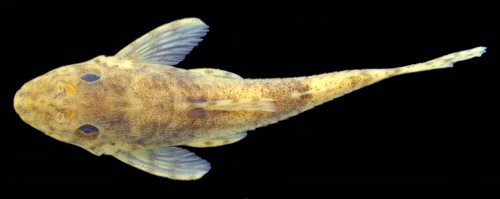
144	139
198	113
160	106
118	89
197	99
301	87
208	143
306	96
122	104
355	81
51	129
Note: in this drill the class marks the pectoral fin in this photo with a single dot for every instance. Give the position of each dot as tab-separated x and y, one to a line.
167	44
247	104
212	72
229	139
171	162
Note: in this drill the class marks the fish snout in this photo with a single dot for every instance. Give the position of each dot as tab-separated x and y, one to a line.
28	101
19	102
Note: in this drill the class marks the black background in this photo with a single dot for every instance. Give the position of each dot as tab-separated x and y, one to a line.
425	134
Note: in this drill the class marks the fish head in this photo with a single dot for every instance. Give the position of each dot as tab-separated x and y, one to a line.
78	104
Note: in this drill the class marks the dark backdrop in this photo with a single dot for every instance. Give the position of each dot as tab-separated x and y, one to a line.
425	134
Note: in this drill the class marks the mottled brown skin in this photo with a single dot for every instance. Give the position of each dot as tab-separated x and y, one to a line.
145	106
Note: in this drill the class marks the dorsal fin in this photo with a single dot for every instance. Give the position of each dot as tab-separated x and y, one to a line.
167	44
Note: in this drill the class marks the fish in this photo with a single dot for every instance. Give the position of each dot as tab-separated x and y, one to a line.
139	108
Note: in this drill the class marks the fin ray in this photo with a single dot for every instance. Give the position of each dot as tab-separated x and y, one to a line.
167	44
170	162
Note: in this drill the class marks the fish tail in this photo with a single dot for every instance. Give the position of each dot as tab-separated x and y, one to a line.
325	87
446	61
291	96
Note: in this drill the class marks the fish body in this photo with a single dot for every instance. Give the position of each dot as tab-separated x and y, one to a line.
138	107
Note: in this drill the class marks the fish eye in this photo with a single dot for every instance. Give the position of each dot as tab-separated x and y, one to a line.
88	129
90	77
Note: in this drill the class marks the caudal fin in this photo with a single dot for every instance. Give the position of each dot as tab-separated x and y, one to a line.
446	61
